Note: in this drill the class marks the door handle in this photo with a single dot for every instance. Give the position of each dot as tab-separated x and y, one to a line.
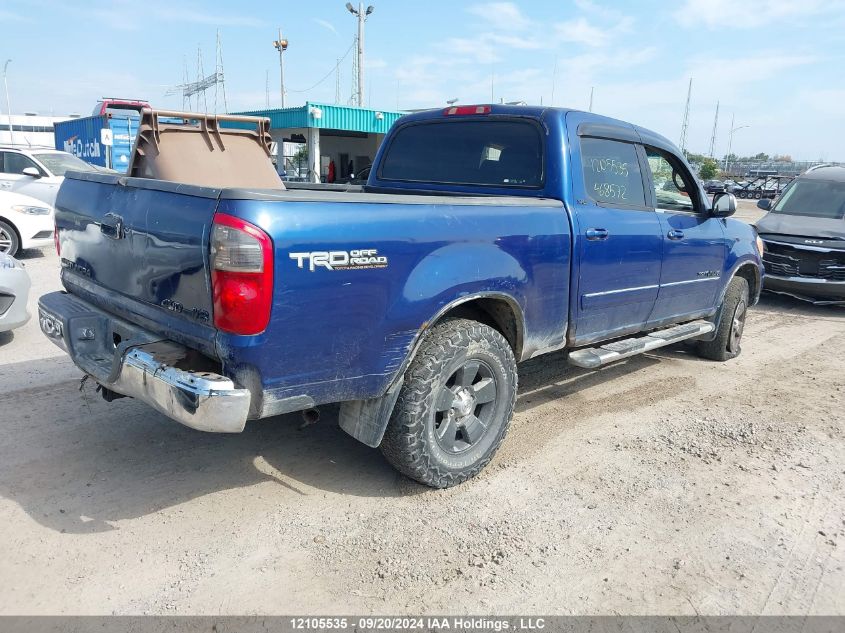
596	234
114	231
675	234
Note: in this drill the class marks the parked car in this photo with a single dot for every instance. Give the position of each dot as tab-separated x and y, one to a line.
36	172
714	186
14	292
24	223
486	235
804	237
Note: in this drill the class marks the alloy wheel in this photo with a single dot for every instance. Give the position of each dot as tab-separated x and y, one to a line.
464	406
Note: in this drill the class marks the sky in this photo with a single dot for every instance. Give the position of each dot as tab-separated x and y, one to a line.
775	66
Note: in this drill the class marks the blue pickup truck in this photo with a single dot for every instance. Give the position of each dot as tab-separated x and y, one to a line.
485	236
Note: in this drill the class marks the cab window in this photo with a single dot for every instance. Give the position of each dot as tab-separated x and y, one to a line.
674	188
612	172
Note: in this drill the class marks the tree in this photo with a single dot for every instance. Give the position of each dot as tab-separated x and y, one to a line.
761	156
709	169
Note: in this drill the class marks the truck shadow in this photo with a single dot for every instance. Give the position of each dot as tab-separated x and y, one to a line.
76	464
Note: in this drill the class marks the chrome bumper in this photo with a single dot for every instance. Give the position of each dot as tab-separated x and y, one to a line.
201	400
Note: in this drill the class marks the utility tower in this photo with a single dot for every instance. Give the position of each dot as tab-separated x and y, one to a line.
220	78
337	82
203	83
713	136
683	142
361	14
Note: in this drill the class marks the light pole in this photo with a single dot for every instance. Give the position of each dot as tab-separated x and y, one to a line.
362	17
8	105
731	140
281	45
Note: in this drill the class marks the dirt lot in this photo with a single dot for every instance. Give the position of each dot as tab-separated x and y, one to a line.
664	484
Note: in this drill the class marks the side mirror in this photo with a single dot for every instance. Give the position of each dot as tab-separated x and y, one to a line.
764	203
724	205
32	172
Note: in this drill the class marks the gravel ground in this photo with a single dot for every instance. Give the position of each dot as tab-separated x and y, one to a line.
662	484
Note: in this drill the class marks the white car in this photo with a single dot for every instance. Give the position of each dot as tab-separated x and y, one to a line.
24	223
14	290
37	172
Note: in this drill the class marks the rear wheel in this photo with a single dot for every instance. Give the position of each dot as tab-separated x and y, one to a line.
727	343
9	242
455	405
741	194
758	195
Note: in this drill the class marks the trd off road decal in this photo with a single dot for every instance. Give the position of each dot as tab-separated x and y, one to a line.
341	260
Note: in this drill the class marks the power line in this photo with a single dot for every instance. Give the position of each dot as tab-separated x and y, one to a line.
328	74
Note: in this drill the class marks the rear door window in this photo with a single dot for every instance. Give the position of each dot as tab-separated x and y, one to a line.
499	153
612	172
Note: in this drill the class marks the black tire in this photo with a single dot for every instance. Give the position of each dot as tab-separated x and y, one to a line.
727	344
758	195
443	429
742	195
9	242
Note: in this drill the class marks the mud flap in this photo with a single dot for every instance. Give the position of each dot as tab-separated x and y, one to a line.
366	420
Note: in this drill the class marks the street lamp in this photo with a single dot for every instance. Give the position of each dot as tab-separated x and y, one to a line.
8	105
731	140
281	45
361	14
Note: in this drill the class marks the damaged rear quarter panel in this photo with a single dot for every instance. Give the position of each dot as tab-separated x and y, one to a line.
345	334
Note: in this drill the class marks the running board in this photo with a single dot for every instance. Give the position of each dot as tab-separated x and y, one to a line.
593	357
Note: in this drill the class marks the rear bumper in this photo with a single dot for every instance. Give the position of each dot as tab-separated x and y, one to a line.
130	361
807	288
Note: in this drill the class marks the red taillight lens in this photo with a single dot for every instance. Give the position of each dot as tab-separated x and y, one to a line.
241	275
56	240
469	109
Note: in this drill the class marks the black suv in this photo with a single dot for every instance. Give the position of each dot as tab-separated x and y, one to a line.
804	237
714	186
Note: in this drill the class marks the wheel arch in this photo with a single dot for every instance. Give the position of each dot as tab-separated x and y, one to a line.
751	273
366	420
499	311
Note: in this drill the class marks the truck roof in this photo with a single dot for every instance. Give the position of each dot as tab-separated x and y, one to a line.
538	112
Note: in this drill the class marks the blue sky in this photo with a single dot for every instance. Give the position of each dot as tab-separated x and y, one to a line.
777	65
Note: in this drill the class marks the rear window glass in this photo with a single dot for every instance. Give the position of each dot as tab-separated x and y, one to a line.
612	172
496	153
813	198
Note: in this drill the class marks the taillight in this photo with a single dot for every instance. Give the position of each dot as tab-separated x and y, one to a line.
241	275
56	239
468	109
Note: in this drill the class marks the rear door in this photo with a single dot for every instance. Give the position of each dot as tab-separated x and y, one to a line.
693	242
618	236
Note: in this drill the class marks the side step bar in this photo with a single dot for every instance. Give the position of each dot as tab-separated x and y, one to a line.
593	357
